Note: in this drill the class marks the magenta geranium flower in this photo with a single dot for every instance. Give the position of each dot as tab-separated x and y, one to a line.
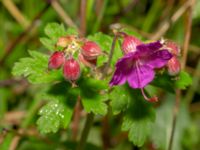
137	67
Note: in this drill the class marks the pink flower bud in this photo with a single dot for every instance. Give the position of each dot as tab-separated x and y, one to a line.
89	63
56	60
71	69
90	50
129	44
173	66
173	47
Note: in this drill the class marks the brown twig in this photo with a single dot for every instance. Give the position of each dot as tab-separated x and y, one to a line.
76	118
14	43
83	8
15	12
106	133
188	28
58	8
166	24
10	82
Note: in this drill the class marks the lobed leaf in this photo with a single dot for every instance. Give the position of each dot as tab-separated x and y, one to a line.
183	81
92	98
138	114
119	99
35	69
53	116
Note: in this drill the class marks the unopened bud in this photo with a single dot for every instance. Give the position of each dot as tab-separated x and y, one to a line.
89	63
56	60
173	66
91	50
173	47
71	69
130	43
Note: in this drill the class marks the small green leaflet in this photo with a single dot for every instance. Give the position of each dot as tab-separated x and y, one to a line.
171	83
35	69
119	99
58	112
184	80
92	98
138	114
54	115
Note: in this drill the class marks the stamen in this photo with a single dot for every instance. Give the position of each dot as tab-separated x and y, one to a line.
151	99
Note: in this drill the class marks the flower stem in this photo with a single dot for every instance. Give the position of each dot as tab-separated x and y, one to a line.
106	67
85	132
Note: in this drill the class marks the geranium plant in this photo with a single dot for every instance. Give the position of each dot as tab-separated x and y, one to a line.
107	74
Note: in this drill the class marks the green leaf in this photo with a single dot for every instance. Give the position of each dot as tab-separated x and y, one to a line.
92	98
48	43
62	99
119	99
170	83
165	82
183	81
55	30
138	118
53	116
35	69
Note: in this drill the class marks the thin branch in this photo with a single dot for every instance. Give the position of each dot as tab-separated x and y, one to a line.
166	24
76	118
83	21
15	12
85	132
107	65
58	8
196	78
188	28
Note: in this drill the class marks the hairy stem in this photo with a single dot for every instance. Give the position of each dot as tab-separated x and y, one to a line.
76	118
105	69
85	132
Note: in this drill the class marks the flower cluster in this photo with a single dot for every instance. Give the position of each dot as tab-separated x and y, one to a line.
88	51
138	65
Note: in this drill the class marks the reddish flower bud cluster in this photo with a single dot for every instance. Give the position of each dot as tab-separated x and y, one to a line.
88	53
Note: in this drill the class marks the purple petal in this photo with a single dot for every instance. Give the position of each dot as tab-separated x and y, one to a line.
118	78
158	59
140	76
125	61
123	66
146	49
